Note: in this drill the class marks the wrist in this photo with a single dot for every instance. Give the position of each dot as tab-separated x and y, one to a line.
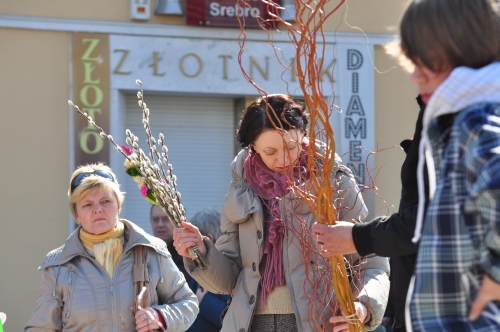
362	238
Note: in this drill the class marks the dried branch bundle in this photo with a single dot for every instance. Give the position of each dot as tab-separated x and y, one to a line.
306	34
154	172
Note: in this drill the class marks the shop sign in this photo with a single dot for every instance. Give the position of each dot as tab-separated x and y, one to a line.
357	104
91	93
229	13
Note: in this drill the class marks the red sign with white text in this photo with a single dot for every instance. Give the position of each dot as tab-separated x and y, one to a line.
228	13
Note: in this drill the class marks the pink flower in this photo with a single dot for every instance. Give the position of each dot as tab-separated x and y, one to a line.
127	150
144	191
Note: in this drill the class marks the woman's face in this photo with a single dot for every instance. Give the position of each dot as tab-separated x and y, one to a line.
97	211
427	80
279	150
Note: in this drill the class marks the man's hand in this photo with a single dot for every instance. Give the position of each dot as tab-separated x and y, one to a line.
335	239
489	291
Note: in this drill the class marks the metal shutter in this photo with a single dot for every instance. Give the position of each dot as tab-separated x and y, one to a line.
199	133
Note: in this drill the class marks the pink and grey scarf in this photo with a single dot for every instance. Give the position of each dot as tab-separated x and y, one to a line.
271	186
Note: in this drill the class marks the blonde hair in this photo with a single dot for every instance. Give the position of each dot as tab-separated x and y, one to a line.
92	183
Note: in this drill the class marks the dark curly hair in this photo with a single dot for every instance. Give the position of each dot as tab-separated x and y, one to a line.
285	113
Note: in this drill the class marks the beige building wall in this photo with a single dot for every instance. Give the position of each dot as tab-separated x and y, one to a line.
35	129
396	112
34	149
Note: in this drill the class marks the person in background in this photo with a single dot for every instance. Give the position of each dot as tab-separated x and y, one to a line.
163	229
88	283
211	305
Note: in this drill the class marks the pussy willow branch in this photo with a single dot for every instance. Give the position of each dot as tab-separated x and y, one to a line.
162	183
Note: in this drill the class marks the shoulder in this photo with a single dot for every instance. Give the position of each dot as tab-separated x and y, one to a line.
52	257
475	116
138	236
478	125
236	166
159	246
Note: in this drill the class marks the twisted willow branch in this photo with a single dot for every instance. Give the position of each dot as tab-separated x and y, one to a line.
156	171
307	36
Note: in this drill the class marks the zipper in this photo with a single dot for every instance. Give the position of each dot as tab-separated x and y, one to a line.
113	305
70	278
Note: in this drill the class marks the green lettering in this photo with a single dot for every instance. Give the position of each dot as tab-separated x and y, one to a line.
98	95
89	68
84	139
93	44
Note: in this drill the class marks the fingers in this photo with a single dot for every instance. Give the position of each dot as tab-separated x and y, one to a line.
341	323
337	319
333	239
319	228
489	291
341	328
146	320
190	227
186	237
477	307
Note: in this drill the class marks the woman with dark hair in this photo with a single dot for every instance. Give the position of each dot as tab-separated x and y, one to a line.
455	47
259	258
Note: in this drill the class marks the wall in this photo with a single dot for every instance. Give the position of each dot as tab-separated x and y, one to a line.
396	112
34	133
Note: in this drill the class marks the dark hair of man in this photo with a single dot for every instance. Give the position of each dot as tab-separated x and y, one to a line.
286	113
445	34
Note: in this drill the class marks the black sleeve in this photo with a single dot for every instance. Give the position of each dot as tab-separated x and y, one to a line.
388	235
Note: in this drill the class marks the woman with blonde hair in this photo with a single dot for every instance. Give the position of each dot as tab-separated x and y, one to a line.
88	282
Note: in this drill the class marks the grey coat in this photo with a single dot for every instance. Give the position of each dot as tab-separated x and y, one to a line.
76	293
235	258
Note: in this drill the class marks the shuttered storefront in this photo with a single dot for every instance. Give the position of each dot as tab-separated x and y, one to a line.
199	133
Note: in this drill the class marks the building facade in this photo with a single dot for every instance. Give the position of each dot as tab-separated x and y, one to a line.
92	52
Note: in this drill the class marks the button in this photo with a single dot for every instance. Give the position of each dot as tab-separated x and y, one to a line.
252	299
259	234
254	267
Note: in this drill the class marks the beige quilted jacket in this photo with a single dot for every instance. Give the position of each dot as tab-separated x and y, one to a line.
234	260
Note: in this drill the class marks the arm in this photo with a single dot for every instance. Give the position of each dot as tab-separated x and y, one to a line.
48	311
372	288
482	158
179	305
387	236
224	261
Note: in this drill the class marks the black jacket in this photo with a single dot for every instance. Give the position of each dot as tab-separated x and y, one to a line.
390	236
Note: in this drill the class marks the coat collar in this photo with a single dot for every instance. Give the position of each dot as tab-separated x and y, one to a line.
134	235
241	201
